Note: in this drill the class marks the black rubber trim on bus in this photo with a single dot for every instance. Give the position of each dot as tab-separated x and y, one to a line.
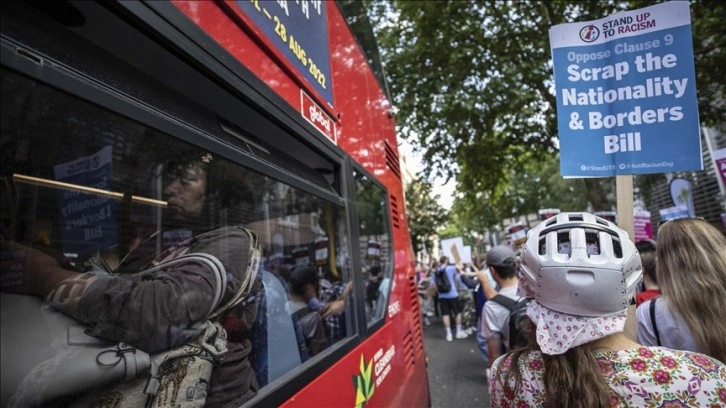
247	84
372	328
349	192
68	79
163	27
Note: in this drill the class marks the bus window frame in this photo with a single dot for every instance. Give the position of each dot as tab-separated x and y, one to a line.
23	58
369	329
165	20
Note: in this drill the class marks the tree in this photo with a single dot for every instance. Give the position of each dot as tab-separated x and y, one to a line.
425	214
539	185
472	82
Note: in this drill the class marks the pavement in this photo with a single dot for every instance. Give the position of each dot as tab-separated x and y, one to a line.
456	369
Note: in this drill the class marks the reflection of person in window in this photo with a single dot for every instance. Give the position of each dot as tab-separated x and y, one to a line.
160	311
331	304
305	284
374	282
185	190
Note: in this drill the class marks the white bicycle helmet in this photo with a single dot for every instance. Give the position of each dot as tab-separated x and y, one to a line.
581	264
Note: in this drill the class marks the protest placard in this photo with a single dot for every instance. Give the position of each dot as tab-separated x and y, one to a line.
626	93
674	213
466	255
452	248
719	161
643	227
88	219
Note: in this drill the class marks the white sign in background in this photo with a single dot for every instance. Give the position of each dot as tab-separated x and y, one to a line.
450	246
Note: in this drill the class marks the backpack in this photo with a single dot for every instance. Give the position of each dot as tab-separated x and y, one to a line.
517	319
442	281
180	377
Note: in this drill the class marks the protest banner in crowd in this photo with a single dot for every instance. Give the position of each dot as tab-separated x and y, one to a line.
626	93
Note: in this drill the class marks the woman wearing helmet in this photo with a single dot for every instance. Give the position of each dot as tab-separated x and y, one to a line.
691	272
581	272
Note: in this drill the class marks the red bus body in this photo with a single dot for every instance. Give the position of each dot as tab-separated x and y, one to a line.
359	122
364	124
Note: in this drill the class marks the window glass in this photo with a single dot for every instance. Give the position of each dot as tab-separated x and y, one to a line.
375	245
106	219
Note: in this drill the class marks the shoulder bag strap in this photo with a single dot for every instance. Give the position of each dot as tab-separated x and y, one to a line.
253	265
505	301
652	320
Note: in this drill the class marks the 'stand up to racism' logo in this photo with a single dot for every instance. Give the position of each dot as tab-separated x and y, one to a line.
589	33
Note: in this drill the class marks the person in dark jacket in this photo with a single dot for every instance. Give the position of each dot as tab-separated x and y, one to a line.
162	310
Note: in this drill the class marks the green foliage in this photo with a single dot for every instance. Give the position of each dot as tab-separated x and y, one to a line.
472	83
425	214
539	185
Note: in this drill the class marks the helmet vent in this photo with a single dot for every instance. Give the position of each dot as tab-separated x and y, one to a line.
550	222
575	217
593	243
563	243
617	249
601	221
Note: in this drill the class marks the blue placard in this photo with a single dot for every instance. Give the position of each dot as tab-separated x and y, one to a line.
88	221
626	93
299	30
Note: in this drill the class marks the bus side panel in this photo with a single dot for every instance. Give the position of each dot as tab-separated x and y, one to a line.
375	372
388	368
392	358
366	129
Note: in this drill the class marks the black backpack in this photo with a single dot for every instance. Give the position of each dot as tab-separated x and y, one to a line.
442	281
517	319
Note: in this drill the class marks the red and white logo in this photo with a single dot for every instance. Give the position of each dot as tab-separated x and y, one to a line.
317	117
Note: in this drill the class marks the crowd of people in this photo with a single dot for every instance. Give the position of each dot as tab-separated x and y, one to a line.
554	328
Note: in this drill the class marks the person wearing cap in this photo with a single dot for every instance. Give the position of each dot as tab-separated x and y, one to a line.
581	273
502	263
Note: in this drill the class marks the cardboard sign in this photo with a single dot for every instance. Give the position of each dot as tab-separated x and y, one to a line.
452	248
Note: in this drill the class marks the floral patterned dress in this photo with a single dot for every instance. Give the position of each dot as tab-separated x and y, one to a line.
640	377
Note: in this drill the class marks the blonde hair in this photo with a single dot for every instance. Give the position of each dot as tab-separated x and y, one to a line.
691	271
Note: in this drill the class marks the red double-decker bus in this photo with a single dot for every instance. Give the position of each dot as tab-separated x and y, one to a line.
128	125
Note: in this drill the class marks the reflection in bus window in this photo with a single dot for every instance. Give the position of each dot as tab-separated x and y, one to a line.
375	242
87	190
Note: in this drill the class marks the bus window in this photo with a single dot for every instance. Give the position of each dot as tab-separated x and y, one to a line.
87	189
375	245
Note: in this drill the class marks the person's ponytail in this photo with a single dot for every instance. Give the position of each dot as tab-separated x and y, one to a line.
573	379
570	380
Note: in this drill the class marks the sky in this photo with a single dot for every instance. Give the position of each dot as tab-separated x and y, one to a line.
445	191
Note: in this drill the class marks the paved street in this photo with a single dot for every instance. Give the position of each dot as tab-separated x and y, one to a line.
456	370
